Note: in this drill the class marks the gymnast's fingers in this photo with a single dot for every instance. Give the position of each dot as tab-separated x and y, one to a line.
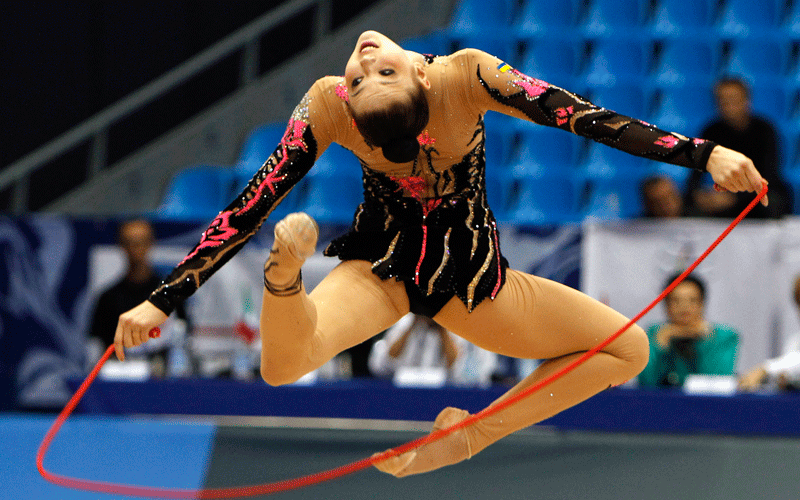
118	339
756	181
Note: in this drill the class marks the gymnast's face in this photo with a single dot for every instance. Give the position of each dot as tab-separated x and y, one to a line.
379	72
685	305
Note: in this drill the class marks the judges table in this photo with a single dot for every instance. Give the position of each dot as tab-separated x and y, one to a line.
620	409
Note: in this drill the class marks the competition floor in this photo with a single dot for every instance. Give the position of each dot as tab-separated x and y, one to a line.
536	464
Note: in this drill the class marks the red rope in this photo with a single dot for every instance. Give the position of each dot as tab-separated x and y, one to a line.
319	477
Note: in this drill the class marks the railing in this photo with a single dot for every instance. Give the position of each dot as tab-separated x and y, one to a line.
17	175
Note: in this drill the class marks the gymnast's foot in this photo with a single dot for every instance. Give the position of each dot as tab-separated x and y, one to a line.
295	241
448	450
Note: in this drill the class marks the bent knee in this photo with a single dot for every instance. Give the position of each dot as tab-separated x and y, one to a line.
636	349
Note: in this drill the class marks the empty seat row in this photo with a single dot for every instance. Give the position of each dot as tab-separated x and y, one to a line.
630	18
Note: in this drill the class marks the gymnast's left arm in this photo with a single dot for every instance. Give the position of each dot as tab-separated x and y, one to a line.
496	86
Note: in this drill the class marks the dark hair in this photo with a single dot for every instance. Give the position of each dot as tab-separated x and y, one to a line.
395	127
689	279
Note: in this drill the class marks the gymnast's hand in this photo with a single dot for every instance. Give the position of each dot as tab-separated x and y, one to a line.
447	450
734	172
134	326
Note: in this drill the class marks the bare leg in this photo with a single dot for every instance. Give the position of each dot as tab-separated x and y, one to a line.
301	332
540	319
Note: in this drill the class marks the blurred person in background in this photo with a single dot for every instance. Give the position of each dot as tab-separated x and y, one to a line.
661	198
135	238
687	343
737	128
417	341
783	371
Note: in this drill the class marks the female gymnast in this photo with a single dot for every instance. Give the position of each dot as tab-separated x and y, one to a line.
424	239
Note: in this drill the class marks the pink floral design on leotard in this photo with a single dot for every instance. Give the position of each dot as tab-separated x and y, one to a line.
341	91
425	139
698	141
533	87
668	141
414	184
292	138
218	232
563	114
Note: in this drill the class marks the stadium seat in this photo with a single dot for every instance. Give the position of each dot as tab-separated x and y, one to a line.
614	199
611	61
757	60
680	19
333	187
544	149
791	22
502	47
555	61
747	18
684	109
435	43
615	18
771	100
481	17
197	193
499	140
551	19
260	143
683	61
603	162
546	198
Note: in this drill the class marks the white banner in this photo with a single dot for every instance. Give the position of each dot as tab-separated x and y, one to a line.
748	276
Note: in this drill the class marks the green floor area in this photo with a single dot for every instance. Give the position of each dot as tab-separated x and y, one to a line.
538	464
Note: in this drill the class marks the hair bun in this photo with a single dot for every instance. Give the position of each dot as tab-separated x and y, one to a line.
401	150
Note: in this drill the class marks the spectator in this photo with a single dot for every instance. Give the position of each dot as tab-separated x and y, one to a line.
754	136
135	238
661	198
687	343
417	341
783	370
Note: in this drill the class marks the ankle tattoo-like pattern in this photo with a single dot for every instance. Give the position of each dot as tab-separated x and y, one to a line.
292	288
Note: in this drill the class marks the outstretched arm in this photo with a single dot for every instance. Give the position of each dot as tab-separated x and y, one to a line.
496	86
230	230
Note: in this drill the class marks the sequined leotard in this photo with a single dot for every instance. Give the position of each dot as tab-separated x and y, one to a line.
426	222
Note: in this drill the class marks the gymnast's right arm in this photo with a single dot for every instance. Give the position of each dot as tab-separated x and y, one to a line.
237	223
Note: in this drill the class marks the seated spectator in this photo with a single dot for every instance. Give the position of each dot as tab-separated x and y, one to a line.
419	342
784	371
661	197
755	137
687	343
135	238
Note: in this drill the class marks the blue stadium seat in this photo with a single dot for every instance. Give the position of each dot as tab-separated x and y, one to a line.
435	43
615	18
502	47
545	149
551	19
679	19
746	18
555	61
629	100
260	143
481	17
333	187
614	199
791	23
602	162
772	100
500	139
546	198
197	193
684	109
757	60
685	60
614	61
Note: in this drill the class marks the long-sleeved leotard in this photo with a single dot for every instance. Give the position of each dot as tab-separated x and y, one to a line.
425	222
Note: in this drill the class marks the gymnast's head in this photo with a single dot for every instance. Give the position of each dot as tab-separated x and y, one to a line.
386	90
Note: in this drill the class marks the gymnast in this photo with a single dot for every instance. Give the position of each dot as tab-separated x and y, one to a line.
424	239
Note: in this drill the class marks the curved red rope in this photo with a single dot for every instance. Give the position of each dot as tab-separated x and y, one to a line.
300	482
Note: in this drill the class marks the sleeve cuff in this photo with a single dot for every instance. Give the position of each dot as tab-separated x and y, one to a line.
161	303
